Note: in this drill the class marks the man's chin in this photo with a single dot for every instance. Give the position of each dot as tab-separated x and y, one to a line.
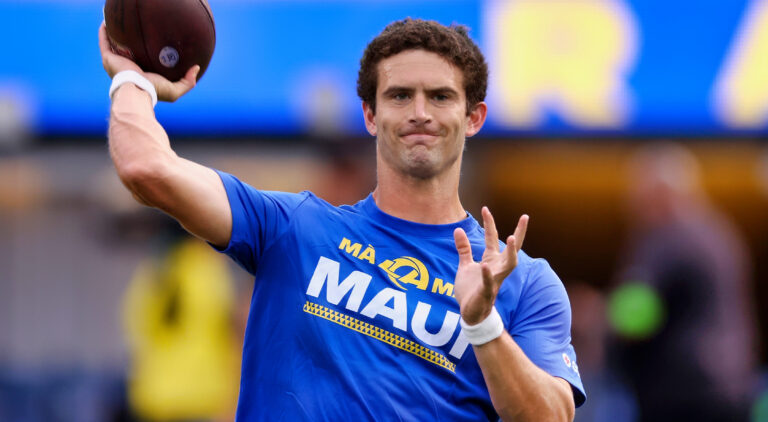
421	169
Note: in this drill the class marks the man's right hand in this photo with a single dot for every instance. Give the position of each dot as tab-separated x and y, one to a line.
166	90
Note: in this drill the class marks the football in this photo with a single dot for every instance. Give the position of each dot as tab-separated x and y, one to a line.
162	36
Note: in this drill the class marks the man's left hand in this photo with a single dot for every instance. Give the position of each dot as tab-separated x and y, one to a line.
478	283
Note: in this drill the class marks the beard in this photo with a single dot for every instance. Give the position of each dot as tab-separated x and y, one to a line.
419	161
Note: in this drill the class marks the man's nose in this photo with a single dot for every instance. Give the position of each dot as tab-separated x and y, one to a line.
420	110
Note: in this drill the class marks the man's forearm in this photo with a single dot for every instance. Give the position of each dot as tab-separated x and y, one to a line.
520	390
138	144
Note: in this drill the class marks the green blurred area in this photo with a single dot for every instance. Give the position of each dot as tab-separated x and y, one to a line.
635	310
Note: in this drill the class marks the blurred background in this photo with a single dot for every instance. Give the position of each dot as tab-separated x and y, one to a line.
633	132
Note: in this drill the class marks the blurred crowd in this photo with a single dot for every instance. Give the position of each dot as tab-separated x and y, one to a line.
674	337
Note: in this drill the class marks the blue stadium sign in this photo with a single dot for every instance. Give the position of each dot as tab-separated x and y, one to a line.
288	67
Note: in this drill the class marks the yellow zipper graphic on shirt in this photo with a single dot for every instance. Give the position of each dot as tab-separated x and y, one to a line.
380	334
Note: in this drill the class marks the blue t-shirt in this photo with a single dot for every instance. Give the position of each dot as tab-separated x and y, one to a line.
353	315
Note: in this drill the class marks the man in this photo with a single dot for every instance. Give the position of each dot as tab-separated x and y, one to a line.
692	260
356	309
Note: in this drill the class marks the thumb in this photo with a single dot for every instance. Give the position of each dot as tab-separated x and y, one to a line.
188	81
172	91
463	246
192	73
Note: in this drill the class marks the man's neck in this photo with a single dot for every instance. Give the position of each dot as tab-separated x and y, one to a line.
427	201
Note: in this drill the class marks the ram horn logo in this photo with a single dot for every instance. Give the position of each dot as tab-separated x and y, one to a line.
418	274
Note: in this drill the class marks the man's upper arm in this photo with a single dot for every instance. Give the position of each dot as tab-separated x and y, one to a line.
258	219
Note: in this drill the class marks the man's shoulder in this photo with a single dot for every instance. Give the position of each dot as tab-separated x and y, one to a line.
531	266
304	199
536	274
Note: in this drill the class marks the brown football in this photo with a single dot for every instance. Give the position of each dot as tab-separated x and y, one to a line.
162	36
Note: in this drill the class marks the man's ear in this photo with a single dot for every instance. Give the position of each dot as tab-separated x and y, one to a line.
369	114
476	119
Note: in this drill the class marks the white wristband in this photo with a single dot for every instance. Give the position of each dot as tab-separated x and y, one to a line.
488	329
131	76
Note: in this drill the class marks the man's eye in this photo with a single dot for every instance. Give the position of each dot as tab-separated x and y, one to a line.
441	97
400	96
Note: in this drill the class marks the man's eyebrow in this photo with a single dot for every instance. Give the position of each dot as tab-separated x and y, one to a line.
396	88
442	89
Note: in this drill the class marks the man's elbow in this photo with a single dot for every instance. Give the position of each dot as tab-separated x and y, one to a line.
569	411
549	411
560	408
144	179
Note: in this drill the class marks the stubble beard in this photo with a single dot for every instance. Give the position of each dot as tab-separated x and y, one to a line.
421	163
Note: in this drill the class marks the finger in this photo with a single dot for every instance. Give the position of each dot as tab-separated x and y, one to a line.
183	85
171	91
107	53
192	73
462	246
491	235
488	283
511	254
104	44
520	230
188	82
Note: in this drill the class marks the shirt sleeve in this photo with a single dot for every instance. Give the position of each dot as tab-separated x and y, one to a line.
258	218
541	326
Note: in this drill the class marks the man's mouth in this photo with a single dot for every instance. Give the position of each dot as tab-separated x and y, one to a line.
419	137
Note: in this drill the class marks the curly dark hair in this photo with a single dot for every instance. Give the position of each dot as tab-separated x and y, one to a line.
452	43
